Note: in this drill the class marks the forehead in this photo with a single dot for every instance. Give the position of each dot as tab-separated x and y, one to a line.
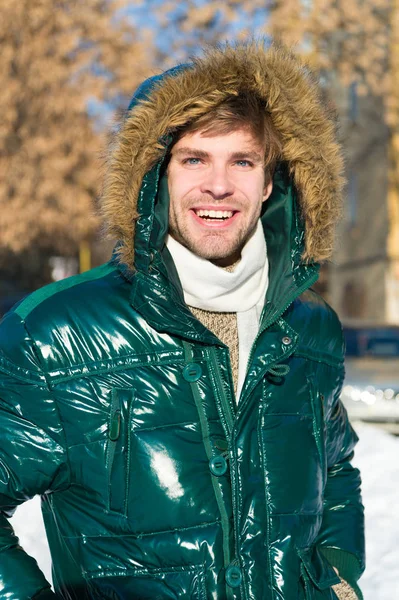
239	140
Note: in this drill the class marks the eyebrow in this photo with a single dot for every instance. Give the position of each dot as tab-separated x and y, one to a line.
191	151
250	154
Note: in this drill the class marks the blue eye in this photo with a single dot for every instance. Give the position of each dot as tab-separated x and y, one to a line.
191	161
244	163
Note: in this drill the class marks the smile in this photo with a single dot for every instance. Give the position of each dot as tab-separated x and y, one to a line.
214	215
214	219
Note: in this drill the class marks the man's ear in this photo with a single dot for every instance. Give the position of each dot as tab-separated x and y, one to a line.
267	190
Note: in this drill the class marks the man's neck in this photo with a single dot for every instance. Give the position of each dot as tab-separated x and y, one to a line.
229	261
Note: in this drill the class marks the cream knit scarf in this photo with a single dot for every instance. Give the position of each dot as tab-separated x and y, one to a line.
242	290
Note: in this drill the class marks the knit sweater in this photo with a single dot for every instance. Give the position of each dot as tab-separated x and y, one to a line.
344	591
224	326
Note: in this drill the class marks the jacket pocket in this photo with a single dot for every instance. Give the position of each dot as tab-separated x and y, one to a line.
317	574
319	426
175	583
118	450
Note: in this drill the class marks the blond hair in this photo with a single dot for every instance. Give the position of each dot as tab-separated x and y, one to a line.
242	111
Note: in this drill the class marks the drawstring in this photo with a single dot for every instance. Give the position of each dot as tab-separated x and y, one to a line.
279	370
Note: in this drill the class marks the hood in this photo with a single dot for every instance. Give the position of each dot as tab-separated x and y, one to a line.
166	102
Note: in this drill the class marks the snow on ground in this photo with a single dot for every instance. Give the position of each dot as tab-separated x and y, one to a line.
377	456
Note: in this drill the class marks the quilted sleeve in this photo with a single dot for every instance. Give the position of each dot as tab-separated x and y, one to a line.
341	538
32	454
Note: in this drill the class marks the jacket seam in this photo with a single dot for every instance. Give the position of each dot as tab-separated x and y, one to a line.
174	425
145	534
37	354
94	371
144	572
100	440
21	378
296	514
90	368
291	414
265	490
30	374
331	363
122	357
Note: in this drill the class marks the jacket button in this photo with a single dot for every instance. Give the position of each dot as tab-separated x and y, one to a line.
233	576
286	341
218	465
192	372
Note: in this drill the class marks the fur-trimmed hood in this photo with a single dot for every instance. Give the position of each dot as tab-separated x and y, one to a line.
167	102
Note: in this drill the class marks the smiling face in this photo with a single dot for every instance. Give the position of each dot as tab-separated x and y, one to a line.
217	187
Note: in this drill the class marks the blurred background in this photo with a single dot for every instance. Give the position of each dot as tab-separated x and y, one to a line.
68	67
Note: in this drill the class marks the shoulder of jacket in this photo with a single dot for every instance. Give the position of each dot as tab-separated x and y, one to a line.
57	292
315	304
318	324
30	328
18	357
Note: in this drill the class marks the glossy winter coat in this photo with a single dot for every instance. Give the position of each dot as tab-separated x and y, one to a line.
117	406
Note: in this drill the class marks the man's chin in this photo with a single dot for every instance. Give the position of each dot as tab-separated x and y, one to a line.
221	257
210	247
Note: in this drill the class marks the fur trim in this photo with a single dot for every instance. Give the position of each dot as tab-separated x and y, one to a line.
296	107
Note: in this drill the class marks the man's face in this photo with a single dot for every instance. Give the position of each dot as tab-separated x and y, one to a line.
216	187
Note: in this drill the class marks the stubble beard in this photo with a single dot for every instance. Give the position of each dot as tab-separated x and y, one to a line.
211	245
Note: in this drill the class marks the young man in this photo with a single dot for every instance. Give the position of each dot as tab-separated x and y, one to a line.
178	408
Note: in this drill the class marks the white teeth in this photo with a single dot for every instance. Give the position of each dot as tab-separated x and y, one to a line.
215	214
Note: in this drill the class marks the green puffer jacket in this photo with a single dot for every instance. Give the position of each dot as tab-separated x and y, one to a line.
117	405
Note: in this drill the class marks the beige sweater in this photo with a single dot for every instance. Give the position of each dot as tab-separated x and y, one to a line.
224	326
344	591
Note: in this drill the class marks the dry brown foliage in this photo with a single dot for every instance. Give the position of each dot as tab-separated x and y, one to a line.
55	57
347	38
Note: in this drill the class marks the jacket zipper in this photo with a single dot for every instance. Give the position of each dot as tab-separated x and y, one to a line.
230	420
117	500
227	408
114	432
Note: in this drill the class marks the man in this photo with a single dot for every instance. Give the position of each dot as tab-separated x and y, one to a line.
178	408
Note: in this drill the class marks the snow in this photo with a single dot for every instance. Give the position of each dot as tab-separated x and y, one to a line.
377	456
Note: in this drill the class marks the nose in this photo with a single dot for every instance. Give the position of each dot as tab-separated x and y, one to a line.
217	183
